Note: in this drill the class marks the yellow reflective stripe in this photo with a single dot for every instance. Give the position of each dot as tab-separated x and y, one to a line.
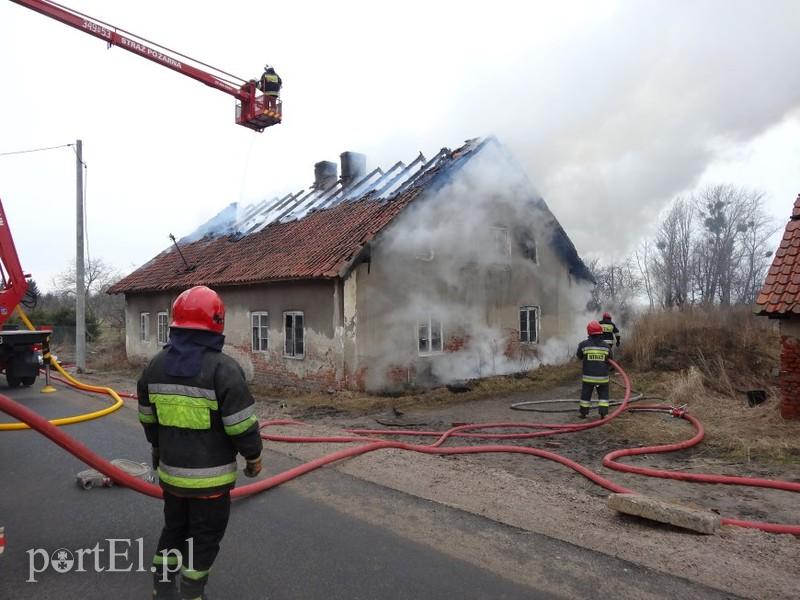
192	574
608	328
147	419
197	482
170	559
241	426
592	379
183	400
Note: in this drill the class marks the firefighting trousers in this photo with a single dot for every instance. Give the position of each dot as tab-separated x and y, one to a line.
201	520
586	394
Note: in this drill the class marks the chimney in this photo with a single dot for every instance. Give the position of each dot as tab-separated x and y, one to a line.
354	167
324	175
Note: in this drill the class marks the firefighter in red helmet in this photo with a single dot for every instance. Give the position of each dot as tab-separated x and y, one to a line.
197	414
610	330
595	354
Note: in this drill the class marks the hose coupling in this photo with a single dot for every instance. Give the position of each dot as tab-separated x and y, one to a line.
679	411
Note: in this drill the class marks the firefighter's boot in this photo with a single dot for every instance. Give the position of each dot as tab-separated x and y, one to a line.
193	589
583	412
603	412
165	590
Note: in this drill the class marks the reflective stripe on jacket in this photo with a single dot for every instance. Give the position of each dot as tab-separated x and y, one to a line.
594	352
609	330
198	423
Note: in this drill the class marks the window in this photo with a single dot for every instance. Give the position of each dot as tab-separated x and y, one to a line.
424	252
502	242
293	334
429	336
528	243
529	324
144	327
163	328
260	326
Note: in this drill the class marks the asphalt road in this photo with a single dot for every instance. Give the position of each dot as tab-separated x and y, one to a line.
294	542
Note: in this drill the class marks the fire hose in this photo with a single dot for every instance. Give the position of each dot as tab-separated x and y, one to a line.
118	402
476	431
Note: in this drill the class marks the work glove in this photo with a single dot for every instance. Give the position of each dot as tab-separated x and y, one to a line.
155	455
253	467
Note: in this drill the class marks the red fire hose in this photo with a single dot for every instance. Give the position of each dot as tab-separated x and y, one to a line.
471	431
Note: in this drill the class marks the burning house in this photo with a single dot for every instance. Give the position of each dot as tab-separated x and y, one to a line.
441	269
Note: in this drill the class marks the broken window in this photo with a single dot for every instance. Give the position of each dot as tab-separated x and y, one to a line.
293	334
144	327
260	327
163	328
529	324
528	243
429	336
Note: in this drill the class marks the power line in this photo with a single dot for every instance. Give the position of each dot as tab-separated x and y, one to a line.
35	150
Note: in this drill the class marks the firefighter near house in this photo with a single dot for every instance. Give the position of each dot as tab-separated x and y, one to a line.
595	354
198	414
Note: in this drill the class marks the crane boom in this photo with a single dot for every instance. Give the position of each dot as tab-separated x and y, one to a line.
254	111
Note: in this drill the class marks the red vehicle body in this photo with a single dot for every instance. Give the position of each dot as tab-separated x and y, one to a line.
19	349
253	110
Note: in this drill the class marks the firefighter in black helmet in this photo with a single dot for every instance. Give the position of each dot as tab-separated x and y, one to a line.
197	414
270	83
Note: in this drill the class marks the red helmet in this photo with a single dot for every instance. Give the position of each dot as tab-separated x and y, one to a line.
594	328
199	307
607	315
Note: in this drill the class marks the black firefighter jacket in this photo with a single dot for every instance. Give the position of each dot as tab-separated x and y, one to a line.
595	353
198	423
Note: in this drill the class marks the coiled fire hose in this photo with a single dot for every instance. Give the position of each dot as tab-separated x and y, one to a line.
472	431
70	380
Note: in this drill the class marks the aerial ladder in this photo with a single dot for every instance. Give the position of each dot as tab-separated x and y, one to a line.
19	349
254	110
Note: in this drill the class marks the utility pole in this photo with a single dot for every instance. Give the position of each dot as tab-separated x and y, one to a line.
80	291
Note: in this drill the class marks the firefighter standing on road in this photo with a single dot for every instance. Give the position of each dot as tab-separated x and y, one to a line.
595	353
197	414
609	329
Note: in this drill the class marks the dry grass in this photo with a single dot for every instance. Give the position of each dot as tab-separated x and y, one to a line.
733	349
360	402
707	359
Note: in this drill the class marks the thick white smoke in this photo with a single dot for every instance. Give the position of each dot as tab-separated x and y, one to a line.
469	284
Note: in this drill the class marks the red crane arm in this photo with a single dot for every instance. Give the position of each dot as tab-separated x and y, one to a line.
14	284
162	56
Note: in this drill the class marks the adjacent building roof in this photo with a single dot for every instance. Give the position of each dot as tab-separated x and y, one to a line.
780	295
311	234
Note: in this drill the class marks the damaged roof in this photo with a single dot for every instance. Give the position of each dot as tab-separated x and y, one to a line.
780	294
310	234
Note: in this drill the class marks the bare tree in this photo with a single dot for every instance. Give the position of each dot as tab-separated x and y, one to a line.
618	284
672	263
644	261
98	277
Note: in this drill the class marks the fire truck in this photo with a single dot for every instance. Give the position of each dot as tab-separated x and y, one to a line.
20	350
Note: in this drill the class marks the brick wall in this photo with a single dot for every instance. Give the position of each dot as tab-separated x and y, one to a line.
790	377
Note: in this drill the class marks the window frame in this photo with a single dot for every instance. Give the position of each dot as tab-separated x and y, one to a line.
428	324
537	311
260	314
294	314
144	326
165	339
505	254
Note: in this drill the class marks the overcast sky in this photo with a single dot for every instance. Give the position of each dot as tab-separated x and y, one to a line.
612	108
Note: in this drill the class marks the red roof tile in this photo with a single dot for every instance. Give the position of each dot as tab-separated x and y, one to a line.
317	246
780	293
